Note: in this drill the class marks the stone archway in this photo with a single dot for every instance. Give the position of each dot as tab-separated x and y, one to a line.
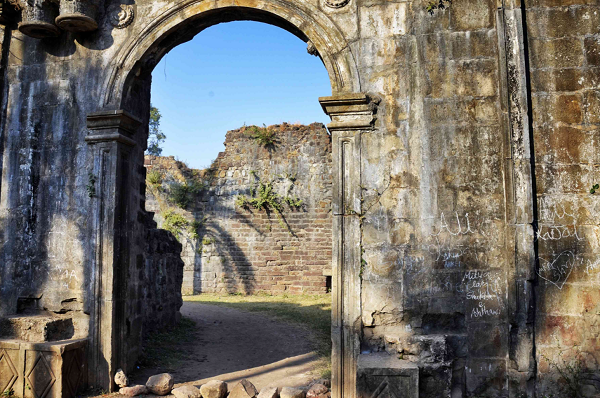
117	139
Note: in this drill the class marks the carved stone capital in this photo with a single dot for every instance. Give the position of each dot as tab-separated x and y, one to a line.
117	125
349	111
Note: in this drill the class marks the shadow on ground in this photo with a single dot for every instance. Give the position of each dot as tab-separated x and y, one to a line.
216	338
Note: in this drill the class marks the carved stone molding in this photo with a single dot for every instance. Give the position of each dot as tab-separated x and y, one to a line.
111	144
349	111
45	369
351	115
37	19
116	125
79	15
336	3
121	15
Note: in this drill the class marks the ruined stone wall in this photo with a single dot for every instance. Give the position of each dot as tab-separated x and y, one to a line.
162	276
228	248
452	276
564	42
434	234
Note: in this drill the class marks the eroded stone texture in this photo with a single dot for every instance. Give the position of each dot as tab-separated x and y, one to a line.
435	206
230	248
565	72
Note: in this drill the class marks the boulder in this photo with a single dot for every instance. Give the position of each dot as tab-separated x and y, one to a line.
134	391
317	391
214	389
186	392
290	392
120	379
243	389
269	392
161	384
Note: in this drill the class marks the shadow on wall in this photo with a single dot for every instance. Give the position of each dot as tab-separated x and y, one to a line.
228	251
568	310
253	221
48	261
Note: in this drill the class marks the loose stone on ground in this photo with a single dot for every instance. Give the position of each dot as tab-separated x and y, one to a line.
214	389
269	392
243	389
120	379
161	384
318	391
187	392
134	391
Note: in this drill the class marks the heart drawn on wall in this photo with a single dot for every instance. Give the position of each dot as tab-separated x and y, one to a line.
558	270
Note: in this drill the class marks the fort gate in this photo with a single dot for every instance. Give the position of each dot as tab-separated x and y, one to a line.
464	143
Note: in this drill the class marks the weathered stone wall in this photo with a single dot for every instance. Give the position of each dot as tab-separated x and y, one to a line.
564	40
474	265
242	249
162	276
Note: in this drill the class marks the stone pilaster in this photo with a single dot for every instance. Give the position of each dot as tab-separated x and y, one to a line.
111	143
351	114
520	200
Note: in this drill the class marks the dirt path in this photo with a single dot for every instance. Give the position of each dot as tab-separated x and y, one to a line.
235	344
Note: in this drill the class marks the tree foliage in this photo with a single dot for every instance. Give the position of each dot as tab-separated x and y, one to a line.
155	135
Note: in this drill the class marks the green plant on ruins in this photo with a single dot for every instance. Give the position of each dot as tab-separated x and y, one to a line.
154	177
294	201
437	5
264	198
181	194
264	136
195	228
174	223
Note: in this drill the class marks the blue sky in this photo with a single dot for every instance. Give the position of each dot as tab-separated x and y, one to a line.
233	74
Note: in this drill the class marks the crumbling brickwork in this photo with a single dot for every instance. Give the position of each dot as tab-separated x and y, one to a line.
241	249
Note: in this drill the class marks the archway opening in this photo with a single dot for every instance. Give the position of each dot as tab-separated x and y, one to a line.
279	247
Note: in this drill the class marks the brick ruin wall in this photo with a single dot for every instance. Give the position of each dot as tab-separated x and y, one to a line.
228	248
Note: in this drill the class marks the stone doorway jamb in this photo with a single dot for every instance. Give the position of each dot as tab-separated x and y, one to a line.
110	140
351	115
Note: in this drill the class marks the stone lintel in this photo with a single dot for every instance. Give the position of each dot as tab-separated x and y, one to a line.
349	111
120	120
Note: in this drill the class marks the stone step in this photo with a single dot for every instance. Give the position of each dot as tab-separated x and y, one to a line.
37	328
43	370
